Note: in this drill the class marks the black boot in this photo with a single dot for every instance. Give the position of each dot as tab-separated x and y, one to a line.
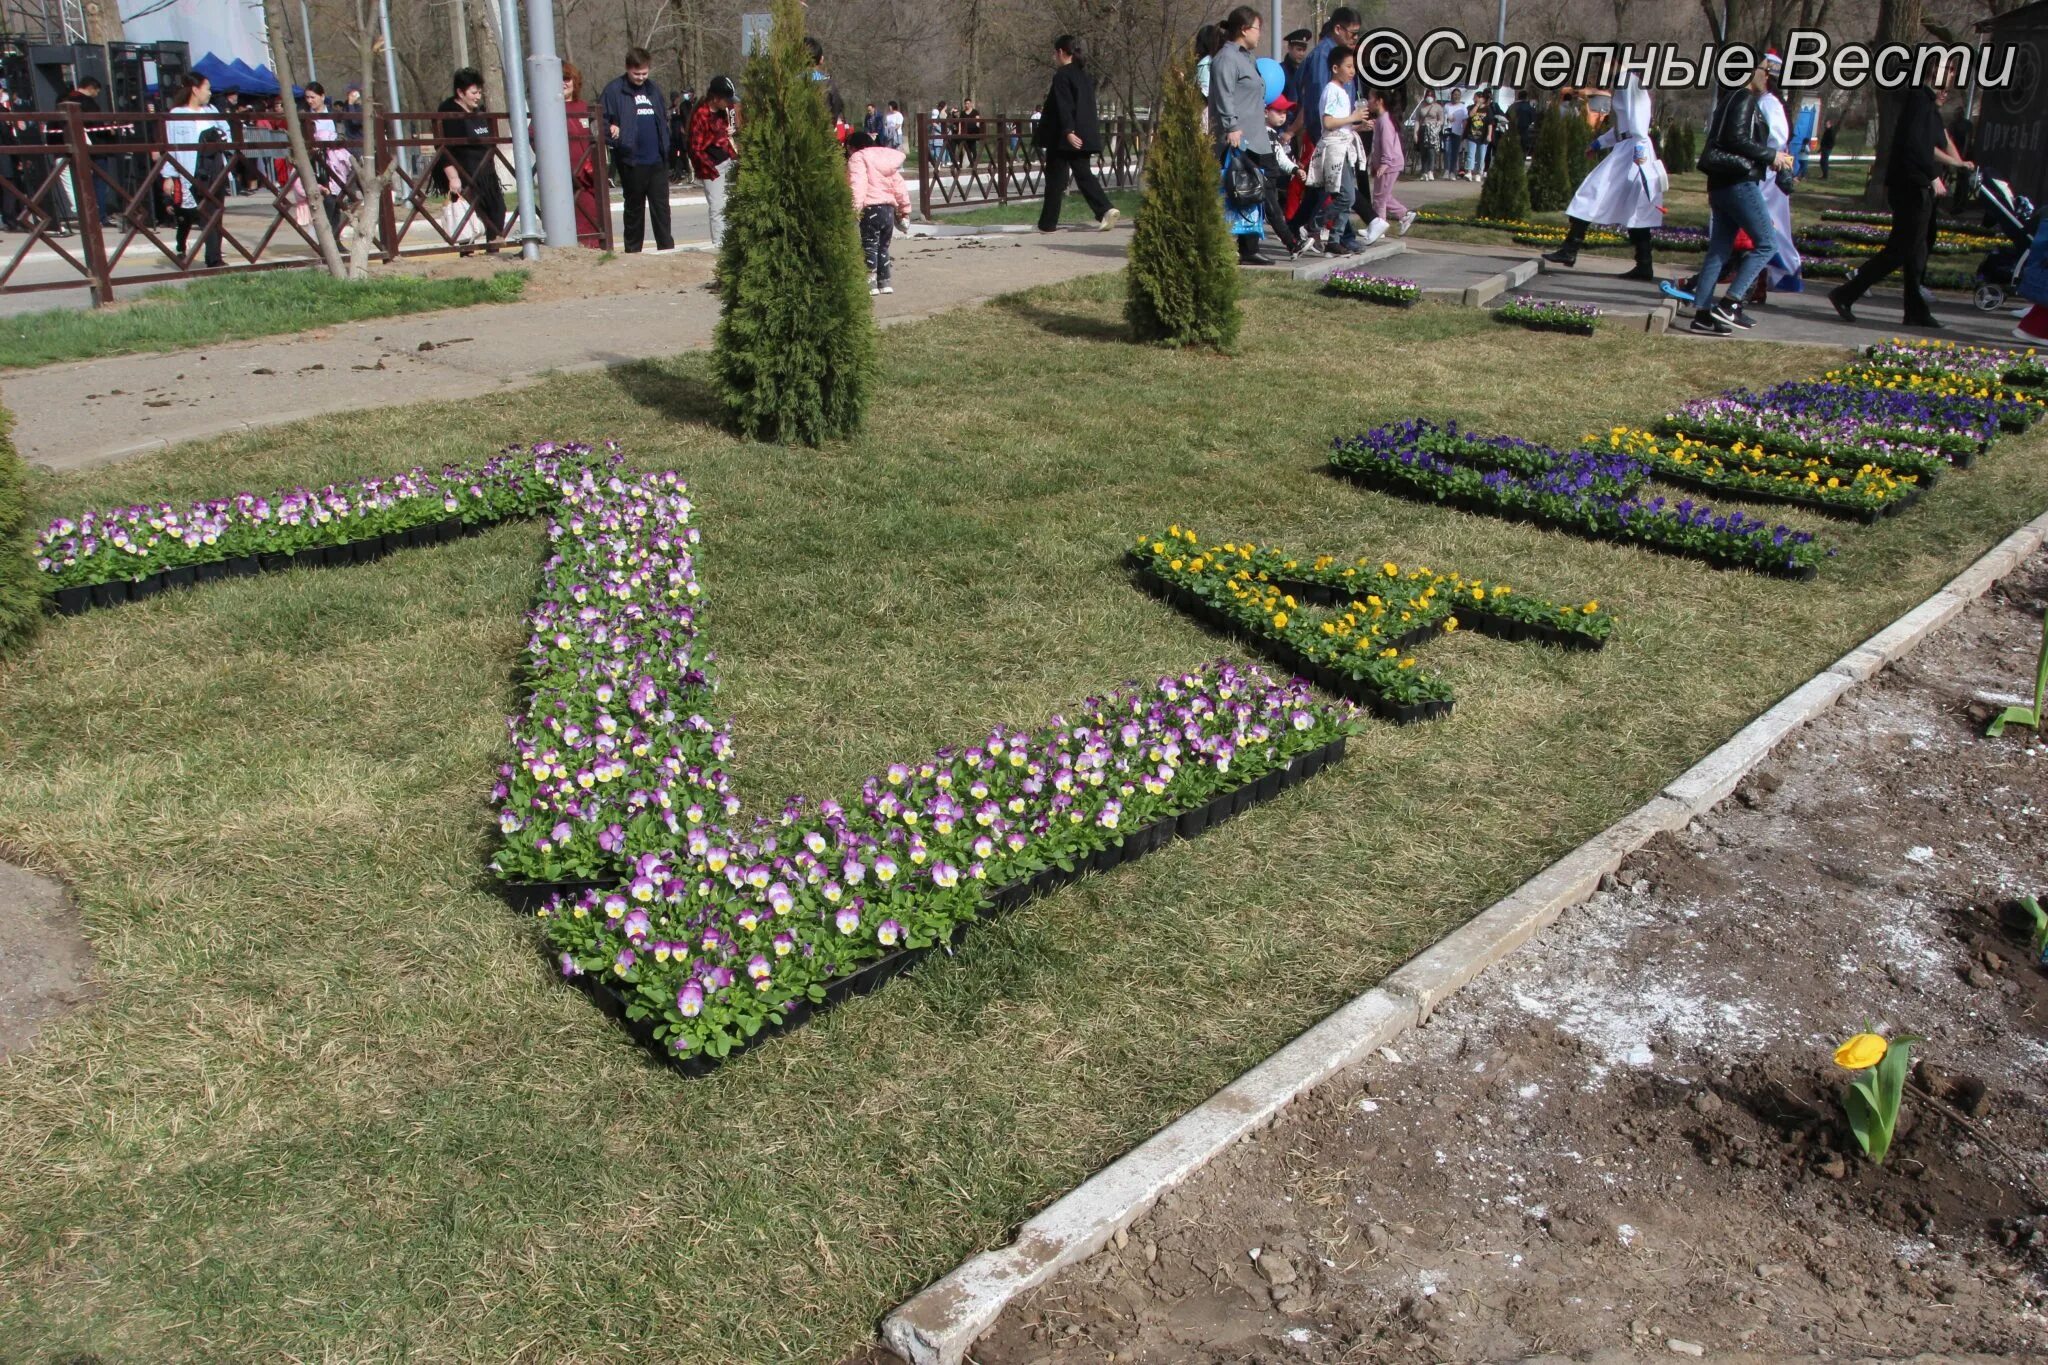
1639	238
1567	253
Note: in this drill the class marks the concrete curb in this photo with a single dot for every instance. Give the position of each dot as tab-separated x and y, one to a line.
1378	251
941	1323
1493	286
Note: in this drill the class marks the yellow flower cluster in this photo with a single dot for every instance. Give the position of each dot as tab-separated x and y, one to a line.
1710	461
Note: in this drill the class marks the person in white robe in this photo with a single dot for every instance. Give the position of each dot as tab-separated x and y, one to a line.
1626	190
1783	270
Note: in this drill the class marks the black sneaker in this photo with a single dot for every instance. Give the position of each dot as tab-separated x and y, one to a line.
1709	325
1734	317
1841	304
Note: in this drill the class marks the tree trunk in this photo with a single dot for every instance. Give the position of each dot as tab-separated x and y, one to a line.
295	133
486	48
369	184
103	22
1898	21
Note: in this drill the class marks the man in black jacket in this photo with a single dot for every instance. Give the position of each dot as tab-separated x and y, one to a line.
1068	133
1919	151
637	129
1736	158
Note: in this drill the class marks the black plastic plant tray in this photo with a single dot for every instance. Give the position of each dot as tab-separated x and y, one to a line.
873	975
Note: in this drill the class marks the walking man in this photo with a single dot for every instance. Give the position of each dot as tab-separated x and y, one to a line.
1069	133
1919	151
636	125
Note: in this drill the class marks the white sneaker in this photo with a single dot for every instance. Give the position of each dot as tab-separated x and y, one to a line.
874	289
1108	220
1407	221
1375	230
886	289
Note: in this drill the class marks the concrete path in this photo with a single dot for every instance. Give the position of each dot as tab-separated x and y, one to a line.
70	417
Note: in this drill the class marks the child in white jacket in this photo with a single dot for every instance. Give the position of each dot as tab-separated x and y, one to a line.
882	200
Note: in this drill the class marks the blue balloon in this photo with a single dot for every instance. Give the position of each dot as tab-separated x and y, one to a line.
1276	78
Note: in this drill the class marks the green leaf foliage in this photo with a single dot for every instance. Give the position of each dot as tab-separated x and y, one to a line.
1872	1100
1505	193
1550	181
794	353
1182	274
21	582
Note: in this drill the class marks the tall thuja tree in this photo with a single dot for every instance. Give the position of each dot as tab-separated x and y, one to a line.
794	353
1550	185
1182	271
1505	193
21	582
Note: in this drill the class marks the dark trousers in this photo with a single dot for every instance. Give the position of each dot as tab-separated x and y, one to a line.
1825	153
646	189
189	218
1904	251
1059	164
877	231
1276	204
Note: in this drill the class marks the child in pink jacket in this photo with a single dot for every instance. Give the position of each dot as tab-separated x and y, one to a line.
881	199
1386	161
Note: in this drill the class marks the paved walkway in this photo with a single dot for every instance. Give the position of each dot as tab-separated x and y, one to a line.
70	417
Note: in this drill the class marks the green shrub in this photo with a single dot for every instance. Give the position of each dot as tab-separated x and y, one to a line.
1182	274
1505	193
1550	182
21	582
794	352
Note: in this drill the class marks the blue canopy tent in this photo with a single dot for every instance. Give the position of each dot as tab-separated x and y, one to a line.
219	73
254	79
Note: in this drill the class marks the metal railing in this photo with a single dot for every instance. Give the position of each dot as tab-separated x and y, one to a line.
106	200
982	160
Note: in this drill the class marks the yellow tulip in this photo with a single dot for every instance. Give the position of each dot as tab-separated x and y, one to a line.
1864	1050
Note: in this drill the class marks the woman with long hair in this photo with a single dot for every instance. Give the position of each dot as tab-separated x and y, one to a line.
198	161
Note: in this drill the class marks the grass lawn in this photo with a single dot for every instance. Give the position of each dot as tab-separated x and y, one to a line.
1073	209
172	317
331	1104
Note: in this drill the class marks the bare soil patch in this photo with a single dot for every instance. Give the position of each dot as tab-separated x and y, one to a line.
1627	1136
580	274
45	962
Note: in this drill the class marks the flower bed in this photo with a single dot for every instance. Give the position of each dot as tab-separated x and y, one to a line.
1576	494
740	931
1746	471
1385	289
2015	409
1846	424
616	754
1549	315
621	832
126	553
1988	365
1377	614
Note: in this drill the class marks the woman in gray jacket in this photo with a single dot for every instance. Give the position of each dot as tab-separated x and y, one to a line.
1237	108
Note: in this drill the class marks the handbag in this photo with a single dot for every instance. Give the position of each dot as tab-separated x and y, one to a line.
1243	182
1716	160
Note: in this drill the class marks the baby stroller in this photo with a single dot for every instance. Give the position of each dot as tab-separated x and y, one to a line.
2015	216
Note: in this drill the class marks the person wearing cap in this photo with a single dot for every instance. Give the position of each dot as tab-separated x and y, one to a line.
1298	43
1279	172
712	153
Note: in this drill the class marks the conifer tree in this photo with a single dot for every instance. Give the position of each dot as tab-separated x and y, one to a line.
1550	185
794	352
1505	193
1182	272
21	582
